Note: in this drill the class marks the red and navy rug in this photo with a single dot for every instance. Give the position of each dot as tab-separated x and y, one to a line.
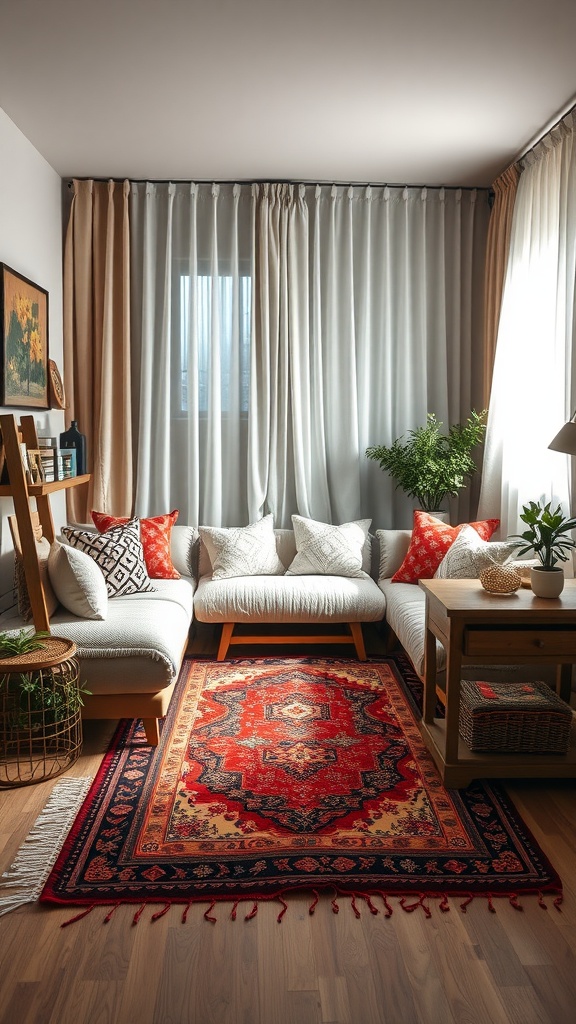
280	775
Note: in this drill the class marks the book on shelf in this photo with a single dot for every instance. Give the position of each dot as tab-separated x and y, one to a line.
64	463
35	471
47	442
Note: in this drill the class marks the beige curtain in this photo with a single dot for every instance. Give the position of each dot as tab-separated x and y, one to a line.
97	343
498	243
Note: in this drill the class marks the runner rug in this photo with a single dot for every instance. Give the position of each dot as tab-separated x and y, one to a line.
280	775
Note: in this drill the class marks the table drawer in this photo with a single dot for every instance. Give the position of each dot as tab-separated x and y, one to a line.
521	642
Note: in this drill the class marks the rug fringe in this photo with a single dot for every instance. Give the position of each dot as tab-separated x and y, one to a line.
40	849
407	903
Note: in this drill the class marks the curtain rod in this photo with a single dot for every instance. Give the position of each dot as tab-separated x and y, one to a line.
550	127
284	181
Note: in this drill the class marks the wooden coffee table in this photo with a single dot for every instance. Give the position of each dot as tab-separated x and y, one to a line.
476	627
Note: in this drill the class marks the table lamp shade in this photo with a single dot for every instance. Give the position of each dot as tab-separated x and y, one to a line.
565	440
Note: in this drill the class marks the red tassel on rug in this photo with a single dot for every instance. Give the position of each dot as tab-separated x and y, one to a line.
513	898
252	913
111	912
138	914
207	914
314	903
160	913
78	917
283	911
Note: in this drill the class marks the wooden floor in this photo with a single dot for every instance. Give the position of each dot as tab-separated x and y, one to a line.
508	967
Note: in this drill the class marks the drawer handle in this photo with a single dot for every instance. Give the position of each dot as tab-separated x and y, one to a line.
539	643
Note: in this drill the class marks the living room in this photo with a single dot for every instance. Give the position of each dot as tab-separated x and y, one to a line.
447	130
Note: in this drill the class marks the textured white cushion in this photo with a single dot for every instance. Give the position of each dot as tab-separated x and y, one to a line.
119	554
242	550
78	582
289	599
468	555
406	616
326	550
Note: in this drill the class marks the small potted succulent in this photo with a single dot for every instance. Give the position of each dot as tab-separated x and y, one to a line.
547	537
429	465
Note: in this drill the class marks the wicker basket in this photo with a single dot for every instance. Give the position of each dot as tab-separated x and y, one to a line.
514	718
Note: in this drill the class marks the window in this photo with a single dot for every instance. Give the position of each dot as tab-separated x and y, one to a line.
222	309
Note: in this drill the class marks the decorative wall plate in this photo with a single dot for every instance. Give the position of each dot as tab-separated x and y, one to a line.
57	396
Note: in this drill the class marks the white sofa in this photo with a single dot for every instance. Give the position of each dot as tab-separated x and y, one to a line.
130	661
286	599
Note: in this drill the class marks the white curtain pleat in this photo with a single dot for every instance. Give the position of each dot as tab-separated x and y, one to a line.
533	386
291	327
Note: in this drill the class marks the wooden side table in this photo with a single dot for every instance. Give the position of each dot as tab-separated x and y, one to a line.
476	627
40	722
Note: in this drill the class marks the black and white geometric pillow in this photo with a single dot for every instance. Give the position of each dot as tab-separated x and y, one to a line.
119	554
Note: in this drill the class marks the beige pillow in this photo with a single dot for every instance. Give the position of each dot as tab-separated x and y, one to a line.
326	550
242	550
469	555
78	582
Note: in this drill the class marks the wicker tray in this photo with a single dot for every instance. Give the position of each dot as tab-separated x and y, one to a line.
514	718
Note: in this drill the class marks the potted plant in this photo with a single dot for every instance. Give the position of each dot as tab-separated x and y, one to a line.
26	704
546	537
429	465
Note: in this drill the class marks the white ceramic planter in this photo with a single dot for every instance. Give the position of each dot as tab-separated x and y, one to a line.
547	582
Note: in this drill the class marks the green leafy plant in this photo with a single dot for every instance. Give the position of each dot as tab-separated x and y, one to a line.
546	533
29	703
23	641
429	465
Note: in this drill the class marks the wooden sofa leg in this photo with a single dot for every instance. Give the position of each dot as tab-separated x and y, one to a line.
227	630
358	637
152	730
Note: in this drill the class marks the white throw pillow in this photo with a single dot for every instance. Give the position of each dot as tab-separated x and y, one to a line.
242	550
78	582
119	553
326	550
468	555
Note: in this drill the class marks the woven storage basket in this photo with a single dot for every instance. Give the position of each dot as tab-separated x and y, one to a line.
514	718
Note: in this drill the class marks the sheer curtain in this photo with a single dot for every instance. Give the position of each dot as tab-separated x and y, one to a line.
279	330
533	389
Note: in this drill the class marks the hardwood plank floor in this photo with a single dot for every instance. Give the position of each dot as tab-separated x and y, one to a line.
507	967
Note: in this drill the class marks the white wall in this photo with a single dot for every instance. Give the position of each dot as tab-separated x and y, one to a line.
31	243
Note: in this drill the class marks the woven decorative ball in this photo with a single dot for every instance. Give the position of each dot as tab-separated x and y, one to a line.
500	579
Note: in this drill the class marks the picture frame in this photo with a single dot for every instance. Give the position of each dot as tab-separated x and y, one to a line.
24	373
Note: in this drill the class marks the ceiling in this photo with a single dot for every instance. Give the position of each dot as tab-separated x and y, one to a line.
399	91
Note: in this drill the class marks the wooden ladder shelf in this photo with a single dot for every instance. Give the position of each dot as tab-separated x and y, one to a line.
22	493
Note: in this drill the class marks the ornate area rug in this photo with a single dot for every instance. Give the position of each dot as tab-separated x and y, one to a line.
275	775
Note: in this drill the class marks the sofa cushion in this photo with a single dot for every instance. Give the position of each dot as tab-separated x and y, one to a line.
289	599
392	550
468	555
242	550
78	582
155	535
119	554
327	550
430	541
147	631
406	616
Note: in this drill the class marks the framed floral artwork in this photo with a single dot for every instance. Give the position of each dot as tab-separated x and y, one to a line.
24	378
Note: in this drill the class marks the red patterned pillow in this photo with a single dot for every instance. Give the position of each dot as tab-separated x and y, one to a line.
430	541
155	536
